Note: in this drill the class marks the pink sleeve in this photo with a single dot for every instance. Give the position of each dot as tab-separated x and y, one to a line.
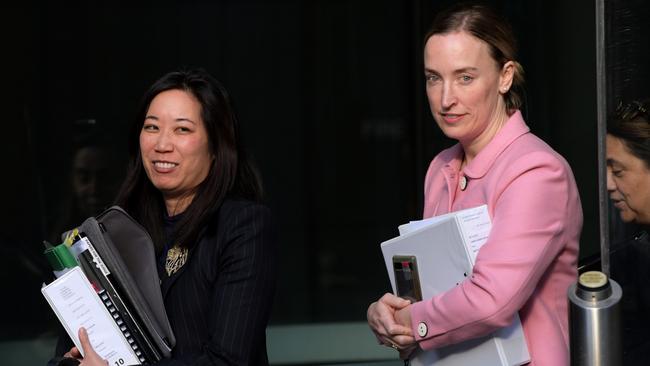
533	201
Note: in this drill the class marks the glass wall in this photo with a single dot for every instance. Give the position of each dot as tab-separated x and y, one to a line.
627	77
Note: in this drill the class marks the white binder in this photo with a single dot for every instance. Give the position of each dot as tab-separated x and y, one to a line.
445	248
77	305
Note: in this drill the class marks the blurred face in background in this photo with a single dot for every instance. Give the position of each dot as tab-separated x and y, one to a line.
92	182
174	144
628	182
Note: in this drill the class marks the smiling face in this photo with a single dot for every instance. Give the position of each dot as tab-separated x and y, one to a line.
628	182
464	86
174	147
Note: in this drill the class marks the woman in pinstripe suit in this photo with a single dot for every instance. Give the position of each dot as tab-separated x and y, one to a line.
191	186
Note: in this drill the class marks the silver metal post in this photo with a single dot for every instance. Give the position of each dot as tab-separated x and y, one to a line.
601	113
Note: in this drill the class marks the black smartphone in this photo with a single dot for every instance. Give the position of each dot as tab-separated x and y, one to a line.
407	281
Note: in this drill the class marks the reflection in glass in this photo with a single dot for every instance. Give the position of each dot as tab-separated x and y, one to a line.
628	184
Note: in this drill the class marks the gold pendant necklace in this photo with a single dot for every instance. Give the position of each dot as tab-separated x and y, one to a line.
176	258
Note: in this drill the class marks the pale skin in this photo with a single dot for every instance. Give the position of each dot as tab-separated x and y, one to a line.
465	88
175	153
91	358
628	180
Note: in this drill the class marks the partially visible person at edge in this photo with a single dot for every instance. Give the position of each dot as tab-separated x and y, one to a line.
628	184
473	84
191	186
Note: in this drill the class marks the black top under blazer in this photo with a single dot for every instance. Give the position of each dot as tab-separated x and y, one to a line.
220	301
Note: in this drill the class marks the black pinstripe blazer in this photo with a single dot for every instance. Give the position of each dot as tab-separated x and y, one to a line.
219	302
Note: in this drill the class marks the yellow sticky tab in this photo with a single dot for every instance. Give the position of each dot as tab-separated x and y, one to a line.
70	237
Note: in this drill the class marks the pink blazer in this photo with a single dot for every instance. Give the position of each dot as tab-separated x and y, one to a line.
530	258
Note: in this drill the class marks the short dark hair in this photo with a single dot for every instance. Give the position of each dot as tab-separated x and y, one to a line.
631	124
483	23
230	174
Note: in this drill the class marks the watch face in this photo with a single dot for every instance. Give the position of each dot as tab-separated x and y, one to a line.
407	282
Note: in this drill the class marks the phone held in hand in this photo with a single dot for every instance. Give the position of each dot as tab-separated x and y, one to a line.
407	281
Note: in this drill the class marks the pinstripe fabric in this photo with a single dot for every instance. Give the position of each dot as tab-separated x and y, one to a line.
219	302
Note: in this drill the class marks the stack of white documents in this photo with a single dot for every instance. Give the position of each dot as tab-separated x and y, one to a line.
445	248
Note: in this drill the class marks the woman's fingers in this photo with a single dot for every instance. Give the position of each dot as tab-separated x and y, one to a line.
403	344
403	317
90	356
394	301
403	341
395	329
381	317
73	353
85	341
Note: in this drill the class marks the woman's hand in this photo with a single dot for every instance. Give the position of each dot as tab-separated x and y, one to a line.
403	317
390	330
91	358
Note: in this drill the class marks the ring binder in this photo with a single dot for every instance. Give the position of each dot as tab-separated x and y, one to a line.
99	274
77	304
446	247
116	258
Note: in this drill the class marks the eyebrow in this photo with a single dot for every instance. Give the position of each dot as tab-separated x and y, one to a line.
182	119
611	161
457	71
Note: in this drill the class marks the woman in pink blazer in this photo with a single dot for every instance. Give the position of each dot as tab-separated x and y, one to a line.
530	258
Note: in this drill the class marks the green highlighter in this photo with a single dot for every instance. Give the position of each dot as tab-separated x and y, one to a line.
60	259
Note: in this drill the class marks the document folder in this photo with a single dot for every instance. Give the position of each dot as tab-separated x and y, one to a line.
445	248
117	259
76	304
127	250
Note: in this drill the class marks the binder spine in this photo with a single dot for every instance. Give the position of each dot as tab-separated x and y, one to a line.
158	336
146	348
117	317
128	250
99	275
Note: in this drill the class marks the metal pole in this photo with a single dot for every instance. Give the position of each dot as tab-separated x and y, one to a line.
595	321
601	113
